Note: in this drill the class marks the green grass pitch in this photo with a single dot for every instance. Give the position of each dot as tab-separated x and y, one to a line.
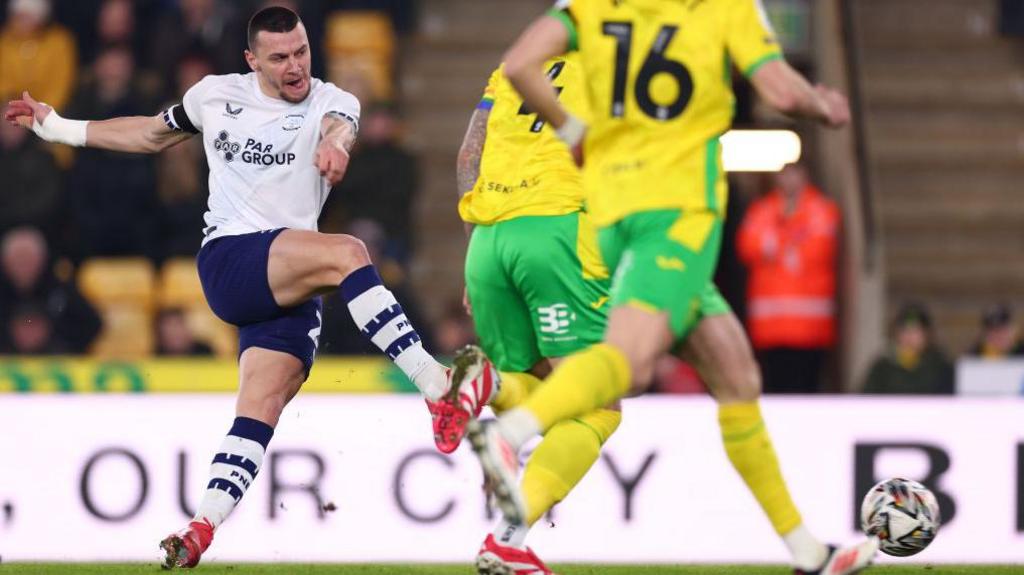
398	569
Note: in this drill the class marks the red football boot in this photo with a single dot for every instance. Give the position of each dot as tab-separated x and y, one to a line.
474	382
184	548
497	559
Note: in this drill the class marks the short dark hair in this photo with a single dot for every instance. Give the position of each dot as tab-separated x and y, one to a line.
273	19
913	313
997	315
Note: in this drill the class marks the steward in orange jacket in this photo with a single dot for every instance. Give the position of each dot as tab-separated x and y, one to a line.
789	247
788	241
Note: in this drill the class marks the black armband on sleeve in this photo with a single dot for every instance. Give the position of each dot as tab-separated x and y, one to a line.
177	120
346	117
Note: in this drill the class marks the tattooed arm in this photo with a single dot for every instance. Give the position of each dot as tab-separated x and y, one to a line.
337	135
468	165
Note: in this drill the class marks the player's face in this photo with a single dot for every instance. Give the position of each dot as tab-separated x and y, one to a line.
282	60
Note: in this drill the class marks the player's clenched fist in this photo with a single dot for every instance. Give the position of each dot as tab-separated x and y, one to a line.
837	104
338	134
332	161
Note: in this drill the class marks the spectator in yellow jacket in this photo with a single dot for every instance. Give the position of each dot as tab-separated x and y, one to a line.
36	55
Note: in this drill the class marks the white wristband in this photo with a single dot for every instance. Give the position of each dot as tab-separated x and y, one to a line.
572	131
61	130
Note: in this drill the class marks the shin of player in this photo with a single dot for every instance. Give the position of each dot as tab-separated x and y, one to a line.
558	463
719	350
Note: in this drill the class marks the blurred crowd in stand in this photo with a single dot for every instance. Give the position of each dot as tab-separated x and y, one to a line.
62	208
78	226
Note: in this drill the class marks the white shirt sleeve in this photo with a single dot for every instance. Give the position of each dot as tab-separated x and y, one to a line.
341	103
192	103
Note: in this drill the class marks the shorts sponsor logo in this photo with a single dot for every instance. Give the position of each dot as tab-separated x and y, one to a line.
670	263
555	319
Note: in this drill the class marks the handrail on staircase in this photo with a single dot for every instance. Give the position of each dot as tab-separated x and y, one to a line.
866	196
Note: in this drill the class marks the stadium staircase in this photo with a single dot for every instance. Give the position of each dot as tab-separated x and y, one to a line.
442	73
943	103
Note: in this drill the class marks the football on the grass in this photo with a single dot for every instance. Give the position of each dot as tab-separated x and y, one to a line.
903	514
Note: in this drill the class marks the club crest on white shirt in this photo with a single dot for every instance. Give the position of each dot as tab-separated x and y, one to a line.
292	122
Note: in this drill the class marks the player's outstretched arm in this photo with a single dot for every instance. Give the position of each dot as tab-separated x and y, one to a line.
546	38
788	92
137	134
337	136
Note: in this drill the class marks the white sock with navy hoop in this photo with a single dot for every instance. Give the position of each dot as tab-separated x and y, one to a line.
380	317
511	534
234	469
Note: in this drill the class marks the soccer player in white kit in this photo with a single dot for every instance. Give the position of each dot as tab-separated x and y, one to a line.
276	140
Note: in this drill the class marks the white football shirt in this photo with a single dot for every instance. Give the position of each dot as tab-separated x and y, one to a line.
260	151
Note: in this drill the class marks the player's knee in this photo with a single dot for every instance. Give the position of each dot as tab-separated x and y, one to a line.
640	359
642	337
348	253
749	386
641	370
742	383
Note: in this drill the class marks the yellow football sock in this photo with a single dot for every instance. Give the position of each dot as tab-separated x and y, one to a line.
750	450
515	388
561	460
583	382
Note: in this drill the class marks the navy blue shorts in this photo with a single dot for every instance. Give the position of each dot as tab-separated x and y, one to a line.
233	271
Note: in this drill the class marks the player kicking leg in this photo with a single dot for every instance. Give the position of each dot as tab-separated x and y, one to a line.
268	285
720	351
538	292
558	463
276	140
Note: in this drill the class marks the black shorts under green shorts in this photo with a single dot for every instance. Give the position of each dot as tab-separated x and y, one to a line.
538	288
664	260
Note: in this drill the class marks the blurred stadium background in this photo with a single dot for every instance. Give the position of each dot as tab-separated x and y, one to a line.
918	274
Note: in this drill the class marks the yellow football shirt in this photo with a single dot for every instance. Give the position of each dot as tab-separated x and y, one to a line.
525	170
658	78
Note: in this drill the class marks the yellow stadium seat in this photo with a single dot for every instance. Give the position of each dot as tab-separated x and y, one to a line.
127	333
180	288
360	31
117	280
208	328
122	290
361	47
179	284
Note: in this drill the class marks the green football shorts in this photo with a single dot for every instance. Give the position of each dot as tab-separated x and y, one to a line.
538	288
664	260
